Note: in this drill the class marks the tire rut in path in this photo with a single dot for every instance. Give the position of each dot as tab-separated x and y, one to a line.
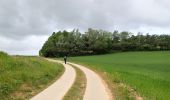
95	88
58	89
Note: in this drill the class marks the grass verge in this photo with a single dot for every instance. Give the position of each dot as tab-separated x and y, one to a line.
132	73
23	77
77	90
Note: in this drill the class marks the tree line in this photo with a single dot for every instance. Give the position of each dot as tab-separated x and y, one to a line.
95	42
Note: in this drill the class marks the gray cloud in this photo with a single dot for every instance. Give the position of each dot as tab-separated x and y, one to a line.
28	46
20	19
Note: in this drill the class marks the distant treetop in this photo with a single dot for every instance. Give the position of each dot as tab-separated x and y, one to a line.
95	42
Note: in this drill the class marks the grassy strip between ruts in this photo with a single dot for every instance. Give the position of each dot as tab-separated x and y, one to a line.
130	73
23	77
119	91
78	89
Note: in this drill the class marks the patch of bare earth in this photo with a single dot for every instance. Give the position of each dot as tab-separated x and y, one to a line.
24	91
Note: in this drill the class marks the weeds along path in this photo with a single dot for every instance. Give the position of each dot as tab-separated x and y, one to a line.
95	88
58	89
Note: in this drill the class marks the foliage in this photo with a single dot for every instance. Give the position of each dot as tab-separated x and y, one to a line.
95	42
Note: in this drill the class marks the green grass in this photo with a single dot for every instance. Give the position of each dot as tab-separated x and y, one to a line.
23	77
147	73
77	90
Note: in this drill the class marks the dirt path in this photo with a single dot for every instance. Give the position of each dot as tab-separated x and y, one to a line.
95	88
58	89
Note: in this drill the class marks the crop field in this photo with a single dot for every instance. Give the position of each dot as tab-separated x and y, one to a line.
23	77
147	73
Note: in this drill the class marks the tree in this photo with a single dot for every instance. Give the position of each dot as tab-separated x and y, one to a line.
95	41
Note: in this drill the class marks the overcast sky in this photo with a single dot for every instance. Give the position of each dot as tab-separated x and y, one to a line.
26	24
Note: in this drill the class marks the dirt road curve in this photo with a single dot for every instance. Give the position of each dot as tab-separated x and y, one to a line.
58	89
96	89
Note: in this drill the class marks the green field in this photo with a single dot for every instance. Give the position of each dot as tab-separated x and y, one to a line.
23	77
146	73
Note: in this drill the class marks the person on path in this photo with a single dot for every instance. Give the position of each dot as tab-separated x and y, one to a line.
65	59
